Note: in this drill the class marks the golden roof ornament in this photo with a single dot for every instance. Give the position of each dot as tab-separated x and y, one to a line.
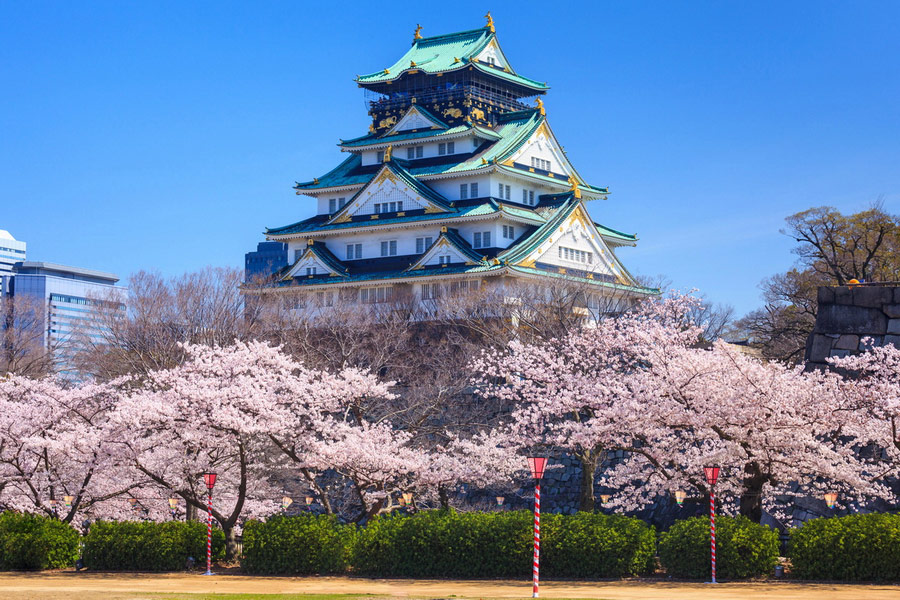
387	153
575	189
490	22
315	180
417	35
371	128
540	106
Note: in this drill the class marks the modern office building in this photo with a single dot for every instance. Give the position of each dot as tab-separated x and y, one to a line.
11	252
68	299
268	258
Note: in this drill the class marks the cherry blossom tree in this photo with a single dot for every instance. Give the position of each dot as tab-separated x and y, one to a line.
54	443
873	390
643	383
579	393
772	428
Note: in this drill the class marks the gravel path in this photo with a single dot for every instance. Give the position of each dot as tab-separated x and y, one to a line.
116	586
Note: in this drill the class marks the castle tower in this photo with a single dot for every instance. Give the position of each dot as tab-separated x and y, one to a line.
459	183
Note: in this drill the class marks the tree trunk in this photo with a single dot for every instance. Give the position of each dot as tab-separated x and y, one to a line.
443	497
751	494
231	545
586	498
191	513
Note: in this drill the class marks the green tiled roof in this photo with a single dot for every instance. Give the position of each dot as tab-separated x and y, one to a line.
607	284
523	249
317	224
373	139
515	129
610	232
446	53
393	275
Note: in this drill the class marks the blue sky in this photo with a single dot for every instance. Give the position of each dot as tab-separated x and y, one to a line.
168	135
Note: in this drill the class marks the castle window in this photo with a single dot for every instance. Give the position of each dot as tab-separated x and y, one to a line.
531	197
310	270
573	255
388	207
415	152
444	259
430	291
463	191
540	163
380	156
503	191
423	244
374	295
332	205
324	298
482	239
473	190
446	148
342	202
509	232
354	251
389	248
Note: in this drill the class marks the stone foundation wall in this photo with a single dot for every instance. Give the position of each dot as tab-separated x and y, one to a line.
848	315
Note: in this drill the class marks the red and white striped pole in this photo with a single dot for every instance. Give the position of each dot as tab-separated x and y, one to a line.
537	465
712	475
712	531
210	480
536	567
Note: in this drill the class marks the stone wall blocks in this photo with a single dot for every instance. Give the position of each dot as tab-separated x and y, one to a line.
851	320
872	297
893	326
820	348
843	295
892	310
892	339
847	342
825	295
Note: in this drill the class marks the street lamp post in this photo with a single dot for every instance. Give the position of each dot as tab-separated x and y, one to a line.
712	476
210	480
537	465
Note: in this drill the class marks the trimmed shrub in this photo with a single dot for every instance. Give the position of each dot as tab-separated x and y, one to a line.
148	546
485	545
743	548
852	548
591	545
302	545
32	542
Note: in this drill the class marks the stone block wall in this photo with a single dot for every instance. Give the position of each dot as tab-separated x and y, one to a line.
847	315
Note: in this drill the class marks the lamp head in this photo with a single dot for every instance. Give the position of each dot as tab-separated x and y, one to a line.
537	464
712	474
210	480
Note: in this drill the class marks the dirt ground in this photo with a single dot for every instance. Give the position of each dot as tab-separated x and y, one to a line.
108	586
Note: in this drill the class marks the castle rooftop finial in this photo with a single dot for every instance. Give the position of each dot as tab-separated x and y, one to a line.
490	22
418	34
539	104
387	153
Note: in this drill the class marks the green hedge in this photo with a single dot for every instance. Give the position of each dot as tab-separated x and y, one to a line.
591	545
304	544
482	545
30	541
743	548
853	548
148	546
